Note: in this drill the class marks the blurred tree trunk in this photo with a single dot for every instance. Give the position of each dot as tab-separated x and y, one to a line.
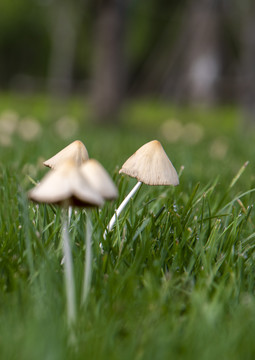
188	69
108	79
247	76
199	55
65	21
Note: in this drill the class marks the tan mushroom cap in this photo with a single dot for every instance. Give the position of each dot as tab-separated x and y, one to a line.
65	186
150	165
99	179
76	151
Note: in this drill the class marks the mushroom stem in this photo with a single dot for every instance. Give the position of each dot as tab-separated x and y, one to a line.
121	207
68	273
88	262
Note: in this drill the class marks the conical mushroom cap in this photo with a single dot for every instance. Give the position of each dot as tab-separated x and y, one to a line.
99	179
65	185
76	152
150	165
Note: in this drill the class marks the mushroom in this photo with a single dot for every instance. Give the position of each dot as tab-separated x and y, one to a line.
149	165
99	179
75	151
66	186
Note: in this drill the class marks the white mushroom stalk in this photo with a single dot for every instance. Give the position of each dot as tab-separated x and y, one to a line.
149	165
121	207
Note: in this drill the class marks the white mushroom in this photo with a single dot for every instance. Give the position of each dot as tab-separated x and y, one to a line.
149	165
99	179
76	152
65	185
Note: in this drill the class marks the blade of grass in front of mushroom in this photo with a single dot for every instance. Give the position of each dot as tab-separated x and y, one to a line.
70	210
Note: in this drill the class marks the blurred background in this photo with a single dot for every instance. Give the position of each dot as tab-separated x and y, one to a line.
199	52
118	73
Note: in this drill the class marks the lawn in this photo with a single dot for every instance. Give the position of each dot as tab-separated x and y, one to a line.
176	279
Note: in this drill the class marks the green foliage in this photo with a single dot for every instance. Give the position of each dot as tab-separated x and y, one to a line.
24	40
176	277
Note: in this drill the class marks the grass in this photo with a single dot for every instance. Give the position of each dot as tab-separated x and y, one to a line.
177	276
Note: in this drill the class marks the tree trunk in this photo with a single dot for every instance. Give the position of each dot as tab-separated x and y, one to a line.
200	55
247	76
65	20
108	80
188	70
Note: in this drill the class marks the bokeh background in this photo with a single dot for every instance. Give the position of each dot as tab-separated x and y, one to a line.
184	51
181	71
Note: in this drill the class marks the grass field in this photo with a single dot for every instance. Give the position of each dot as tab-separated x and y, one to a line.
177	277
